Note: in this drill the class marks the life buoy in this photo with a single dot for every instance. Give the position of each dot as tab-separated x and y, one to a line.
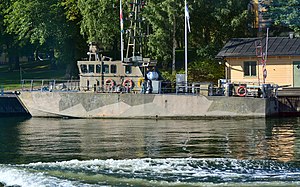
109	83
241	91
128	83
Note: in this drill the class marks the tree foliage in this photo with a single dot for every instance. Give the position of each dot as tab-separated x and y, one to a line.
8	42
161	16
43	24
286	13
100	21
205	70
72	10
65	26
36	20
214	22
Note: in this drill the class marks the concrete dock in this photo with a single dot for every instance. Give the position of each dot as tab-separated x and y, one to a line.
10	105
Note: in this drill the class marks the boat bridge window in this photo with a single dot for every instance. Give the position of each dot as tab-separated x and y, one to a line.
83	68
113	68
91	68
105	68
128	69
98	68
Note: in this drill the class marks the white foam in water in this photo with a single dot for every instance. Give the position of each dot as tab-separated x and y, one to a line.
171	166
173	171
10	176
182	168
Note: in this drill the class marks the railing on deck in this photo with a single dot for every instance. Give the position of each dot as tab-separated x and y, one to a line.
49	85
157	87
203	88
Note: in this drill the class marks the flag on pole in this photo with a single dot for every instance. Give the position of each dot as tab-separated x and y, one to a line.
122	30
121	20
186	29
187	17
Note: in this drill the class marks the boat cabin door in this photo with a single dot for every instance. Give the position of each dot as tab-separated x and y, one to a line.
297	74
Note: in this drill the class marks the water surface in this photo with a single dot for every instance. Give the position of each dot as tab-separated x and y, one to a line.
81	152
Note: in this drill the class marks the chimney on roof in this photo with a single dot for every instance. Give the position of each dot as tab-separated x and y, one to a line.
291	35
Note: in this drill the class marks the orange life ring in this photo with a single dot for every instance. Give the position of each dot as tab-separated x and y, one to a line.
241	91
110	83
128	83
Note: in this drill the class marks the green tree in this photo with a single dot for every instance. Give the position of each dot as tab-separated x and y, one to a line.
216	21
8	43
100	21
44	24
212	22
286	13
72	10
205	70
165	19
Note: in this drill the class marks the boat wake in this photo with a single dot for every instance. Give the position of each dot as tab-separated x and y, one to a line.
152	172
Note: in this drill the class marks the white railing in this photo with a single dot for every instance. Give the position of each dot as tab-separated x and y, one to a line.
49	85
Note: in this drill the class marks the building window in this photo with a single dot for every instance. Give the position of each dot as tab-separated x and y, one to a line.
113	68
250	68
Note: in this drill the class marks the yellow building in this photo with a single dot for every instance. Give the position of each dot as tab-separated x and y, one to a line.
244	64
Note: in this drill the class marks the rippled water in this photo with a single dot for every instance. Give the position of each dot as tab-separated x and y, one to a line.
58	152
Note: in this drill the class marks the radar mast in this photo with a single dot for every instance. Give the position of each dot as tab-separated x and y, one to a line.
135	36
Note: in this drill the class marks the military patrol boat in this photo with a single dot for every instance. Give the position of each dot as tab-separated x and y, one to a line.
108	89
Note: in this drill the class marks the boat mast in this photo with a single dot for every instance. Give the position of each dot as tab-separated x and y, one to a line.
185	42
135	33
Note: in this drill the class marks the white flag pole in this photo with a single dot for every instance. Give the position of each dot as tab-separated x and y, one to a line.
267	43
266	57
185	43
122	31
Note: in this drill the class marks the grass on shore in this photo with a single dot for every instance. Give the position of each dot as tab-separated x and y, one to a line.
11	80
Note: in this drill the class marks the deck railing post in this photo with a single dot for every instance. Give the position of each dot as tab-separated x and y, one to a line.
53	85
68	84
31	86
42	86
22	85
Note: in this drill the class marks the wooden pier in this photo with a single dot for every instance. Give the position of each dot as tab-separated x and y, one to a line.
289	101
